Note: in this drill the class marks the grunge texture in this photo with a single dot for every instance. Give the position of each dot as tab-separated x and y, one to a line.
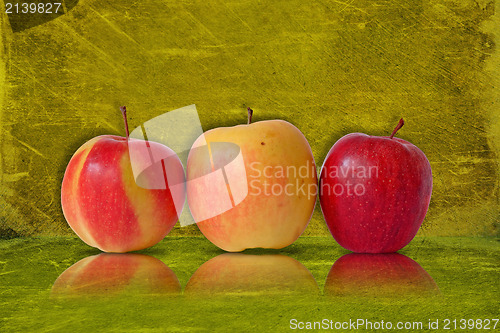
328	67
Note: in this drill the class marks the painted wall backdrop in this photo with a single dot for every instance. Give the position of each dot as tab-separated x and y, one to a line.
328	67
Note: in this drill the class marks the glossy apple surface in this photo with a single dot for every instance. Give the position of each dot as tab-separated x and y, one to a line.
103	203
379	275
374	192
243	274
110	274
268	188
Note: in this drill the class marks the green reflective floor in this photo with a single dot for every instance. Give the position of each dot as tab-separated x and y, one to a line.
187	284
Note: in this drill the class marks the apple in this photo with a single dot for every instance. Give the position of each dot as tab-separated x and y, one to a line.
244	274
103	202
252	185
378	275
110	274
374	192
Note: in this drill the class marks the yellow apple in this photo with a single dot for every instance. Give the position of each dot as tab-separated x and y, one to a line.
252	185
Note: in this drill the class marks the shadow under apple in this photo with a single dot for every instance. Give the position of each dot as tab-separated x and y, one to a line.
378	275
111	275
243	274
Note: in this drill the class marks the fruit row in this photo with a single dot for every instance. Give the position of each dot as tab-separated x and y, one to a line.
247	186
108	275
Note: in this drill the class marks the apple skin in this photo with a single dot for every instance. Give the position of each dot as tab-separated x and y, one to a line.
262	219
102	202
396	194
378	275
110	274
244	274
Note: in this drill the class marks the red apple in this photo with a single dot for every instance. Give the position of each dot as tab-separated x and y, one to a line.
378	275
252	185
374	192
109	208
243	274
109	275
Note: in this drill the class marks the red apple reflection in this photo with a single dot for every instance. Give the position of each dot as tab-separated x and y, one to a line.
108	275
379	275
243	274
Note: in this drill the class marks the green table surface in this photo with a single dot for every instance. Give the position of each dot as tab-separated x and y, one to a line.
457	278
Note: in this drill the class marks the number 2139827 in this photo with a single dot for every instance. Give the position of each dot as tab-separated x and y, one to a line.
33	7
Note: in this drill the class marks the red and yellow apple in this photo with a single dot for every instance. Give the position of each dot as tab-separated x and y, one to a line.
378	275
103	202
374	192
244	274
252	185
110	274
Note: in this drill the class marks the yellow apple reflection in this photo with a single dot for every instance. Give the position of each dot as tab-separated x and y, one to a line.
244	274
378	275
110	275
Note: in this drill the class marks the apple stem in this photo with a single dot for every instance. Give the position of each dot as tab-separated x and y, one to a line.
123	109
250	113
400	124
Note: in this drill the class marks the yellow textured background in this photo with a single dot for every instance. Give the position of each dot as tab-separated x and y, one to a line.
329	67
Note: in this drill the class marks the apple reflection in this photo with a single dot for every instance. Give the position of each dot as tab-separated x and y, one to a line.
110	275
244	274
378	275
